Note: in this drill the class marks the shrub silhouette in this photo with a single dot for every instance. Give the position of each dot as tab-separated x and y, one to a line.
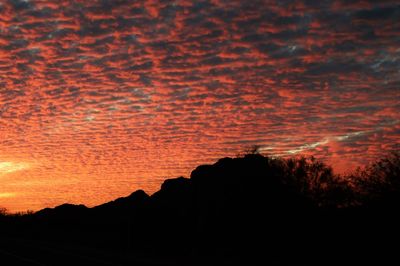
246	207
379	182
3	211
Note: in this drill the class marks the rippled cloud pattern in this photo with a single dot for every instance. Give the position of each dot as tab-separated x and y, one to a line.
100	98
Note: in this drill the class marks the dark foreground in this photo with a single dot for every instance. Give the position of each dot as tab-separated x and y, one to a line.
245	211
30	253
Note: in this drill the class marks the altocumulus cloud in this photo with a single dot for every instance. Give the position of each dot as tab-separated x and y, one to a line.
136	91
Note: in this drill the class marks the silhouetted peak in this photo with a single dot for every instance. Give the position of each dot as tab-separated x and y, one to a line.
251	181
63	209
232	170
175	183
255	160
175	190
227	164
67	206
138	195
224	162
200	171
133	200
254	156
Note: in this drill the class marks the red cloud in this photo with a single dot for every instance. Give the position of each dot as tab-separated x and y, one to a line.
112	96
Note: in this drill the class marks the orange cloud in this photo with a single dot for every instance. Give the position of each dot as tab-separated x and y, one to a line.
113	96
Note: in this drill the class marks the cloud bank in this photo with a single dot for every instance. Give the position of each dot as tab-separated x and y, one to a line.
112	96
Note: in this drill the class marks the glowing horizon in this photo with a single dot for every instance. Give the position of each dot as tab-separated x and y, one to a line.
10	167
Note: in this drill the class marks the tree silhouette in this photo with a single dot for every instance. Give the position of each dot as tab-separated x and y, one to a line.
253	206
3	211
379	182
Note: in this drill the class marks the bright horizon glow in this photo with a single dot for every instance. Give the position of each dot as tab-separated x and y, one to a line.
7	195
10	167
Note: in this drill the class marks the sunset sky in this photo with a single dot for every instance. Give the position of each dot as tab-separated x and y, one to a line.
101	98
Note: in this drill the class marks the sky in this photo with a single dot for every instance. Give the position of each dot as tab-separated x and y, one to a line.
101	98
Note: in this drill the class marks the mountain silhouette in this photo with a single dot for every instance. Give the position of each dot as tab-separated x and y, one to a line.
124	204
238	210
